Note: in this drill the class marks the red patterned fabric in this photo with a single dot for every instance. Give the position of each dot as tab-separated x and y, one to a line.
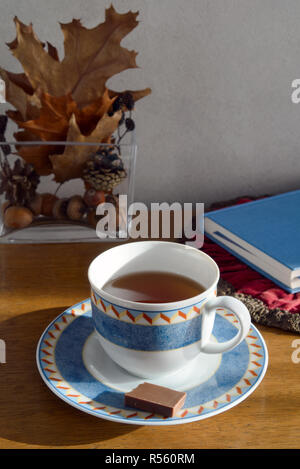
248	281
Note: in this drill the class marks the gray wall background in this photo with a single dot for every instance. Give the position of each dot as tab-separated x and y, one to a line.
220	121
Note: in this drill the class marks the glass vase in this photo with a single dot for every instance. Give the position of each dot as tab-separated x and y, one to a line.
62	206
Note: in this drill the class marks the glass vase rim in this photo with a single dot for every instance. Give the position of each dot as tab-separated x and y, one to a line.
65	143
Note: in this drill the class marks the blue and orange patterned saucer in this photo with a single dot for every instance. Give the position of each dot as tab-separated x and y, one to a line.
74	366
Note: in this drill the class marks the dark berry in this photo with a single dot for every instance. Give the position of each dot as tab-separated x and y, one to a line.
128	101
117	104
130	125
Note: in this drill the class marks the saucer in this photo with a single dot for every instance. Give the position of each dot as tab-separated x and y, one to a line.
73	364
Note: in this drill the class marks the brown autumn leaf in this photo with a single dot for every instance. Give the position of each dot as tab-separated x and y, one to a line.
69	165
88	117
68	100
38	155
20	80
26	29
52	51
19	91
20	94
52	123
53	120
91	57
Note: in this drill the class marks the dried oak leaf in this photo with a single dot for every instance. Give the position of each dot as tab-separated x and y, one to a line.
19	91
69	165
52	51
88	117
52	123
20	94
53	120
26	29
37	155
91	57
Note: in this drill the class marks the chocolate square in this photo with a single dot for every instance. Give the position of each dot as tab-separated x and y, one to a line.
155	399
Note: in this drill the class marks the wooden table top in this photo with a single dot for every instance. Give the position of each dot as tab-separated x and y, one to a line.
36	284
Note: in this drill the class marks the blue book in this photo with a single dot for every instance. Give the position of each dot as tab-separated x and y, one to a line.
265	234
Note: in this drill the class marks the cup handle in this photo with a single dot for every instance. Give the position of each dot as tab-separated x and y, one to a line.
208	318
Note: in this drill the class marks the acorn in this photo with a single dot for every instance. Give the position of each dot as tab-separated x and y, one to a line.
35	204
92	197
76	208
48	201
59	210
17	217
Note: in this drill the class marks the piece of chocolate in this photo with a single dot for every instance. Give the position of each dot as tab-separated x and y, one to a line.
155	399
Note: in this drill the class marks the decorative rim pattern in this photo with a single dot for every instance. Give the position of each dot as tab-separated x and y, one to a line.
258	361
147	318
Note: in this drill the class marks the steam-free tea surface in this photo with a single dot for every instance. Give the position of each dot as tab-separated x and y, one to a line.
153	287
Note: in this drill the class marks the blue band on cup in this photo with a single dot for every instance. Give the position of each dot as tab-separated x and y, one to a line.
139	337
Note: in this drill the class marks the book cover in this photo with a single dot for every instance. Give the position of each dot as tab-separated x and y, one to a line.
263	233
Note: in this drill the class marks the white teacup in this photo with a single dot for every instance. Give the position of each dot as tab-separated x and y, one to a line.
150	340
